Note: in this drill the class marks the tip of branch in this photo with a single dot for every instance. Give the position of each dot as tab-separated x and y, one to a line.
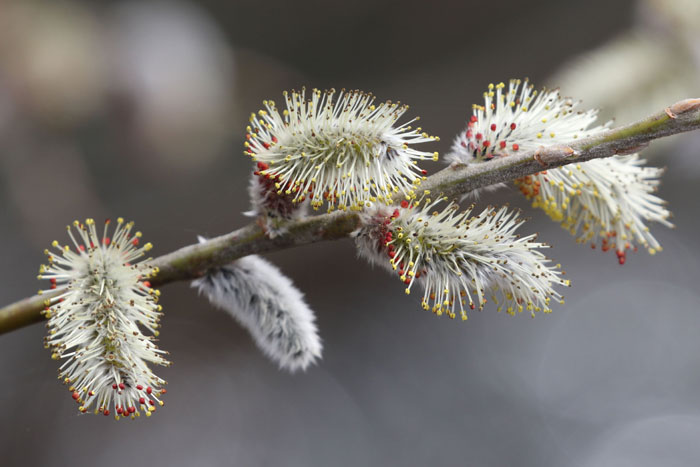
684	106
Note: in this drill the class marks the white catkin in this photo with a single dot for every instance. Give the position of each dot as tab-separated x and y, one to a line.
269	306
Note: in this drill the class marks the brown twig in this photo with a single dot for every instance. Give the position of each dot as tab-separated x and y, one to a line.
193	261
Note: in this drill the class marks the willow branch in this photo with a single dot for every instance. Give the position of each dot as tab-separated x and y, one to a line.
193	261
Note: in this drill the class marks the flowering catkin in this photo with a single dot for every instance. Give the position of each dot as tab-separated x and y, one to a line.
345	151
269	306
608	199
96	321
460	259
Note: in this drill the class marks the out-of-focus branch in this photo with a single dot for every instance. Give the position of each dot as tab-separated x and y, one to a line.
194	260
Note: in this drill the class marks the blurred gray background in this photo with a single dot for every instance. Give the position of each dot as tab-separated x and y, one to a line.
137	109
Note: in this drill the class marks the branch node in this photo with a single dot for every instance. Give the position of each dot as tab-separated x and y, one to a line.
538	156
544	156
684	106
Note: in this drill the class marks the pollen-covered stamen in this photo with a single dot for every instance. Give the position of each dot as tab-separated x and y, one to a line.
345	152
96	322
608	199
519	118
460	260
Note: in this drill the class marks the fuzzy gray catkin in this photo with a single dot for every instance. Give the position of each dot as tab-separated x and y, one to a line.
269	306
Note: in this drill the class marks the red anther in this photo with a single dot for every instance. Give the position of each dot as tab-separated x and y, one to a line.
163	391
119	410
107	221
263	166
391	253
401	271
121	386
404	204
52	280
142	400
593	246
92	245
247	136
107	241
390	247
395	213
152	402
512	126
417	275
473	119
401	265
106	412
149	390
493	127
131	409
135	241
114	386
267	145
424	172
81	247
487	144
502	144
138	386
621	259
407	280
274	139
515	147
470	134
479	136
146	284
53	286
471	305
76	396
